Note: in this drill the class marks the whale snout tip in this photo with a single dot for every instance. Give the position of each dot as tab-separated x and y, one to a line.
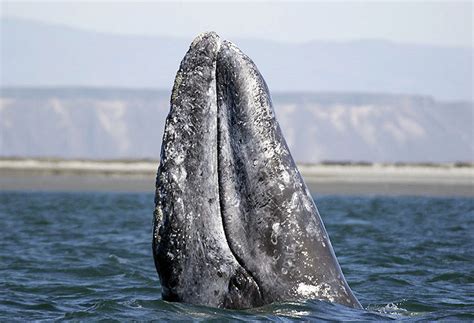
206	35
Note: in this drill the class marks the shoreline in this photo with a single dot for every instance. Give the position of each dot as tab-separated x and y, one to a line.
139	176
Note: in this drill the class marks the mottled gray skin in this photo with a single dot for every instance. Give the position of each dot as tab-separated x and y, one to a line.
235	225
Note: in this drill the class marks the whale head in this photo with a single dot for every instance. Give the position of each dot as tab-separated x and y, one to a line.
234	224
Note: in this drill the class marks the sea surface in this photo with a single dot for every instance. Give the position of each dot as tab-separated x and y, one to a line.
87	256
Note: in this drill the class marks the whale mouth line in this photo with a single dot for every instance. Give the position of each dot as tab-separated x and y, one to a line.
238	259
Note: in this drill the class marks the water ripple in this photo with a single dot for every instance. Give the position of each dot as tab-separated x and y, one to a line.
87	256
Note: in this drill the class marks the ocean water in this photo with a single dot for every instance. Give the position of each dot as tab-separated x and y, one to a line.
87	256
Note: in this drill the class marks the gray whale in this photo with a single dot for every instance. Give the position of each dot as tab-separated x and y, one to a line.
234	224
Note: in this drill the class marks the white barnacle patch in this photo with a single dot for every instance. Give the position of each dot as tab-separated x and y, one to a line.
312	230
294	200
158	223
285	176
179	175
306	290
179	159
170	129
275	232
281	174
177	84
276	227
281	186
320	291
170	255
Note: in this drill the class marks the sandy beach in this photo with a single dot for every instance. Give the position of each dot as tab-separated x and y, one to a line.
139	176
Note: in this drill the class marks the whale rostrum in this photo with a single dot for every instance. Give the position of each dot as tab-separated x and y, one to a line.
234	224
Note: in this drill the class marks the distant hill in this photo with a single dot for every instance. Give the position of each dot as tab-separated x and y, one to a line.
38	54
125	123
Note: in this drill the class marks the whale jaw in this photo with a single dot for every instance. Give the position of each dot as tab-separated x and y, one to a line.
235	226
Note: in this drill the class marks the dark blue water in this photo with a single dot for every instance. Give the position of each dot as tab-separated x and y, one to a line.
86	256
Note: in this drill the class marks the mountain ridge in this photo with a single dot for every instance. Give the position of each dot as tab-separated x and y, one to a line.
129	124
72	56
14	19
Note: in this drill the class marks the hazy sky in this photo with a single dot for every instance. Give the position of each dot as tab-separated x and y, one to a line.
441	23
